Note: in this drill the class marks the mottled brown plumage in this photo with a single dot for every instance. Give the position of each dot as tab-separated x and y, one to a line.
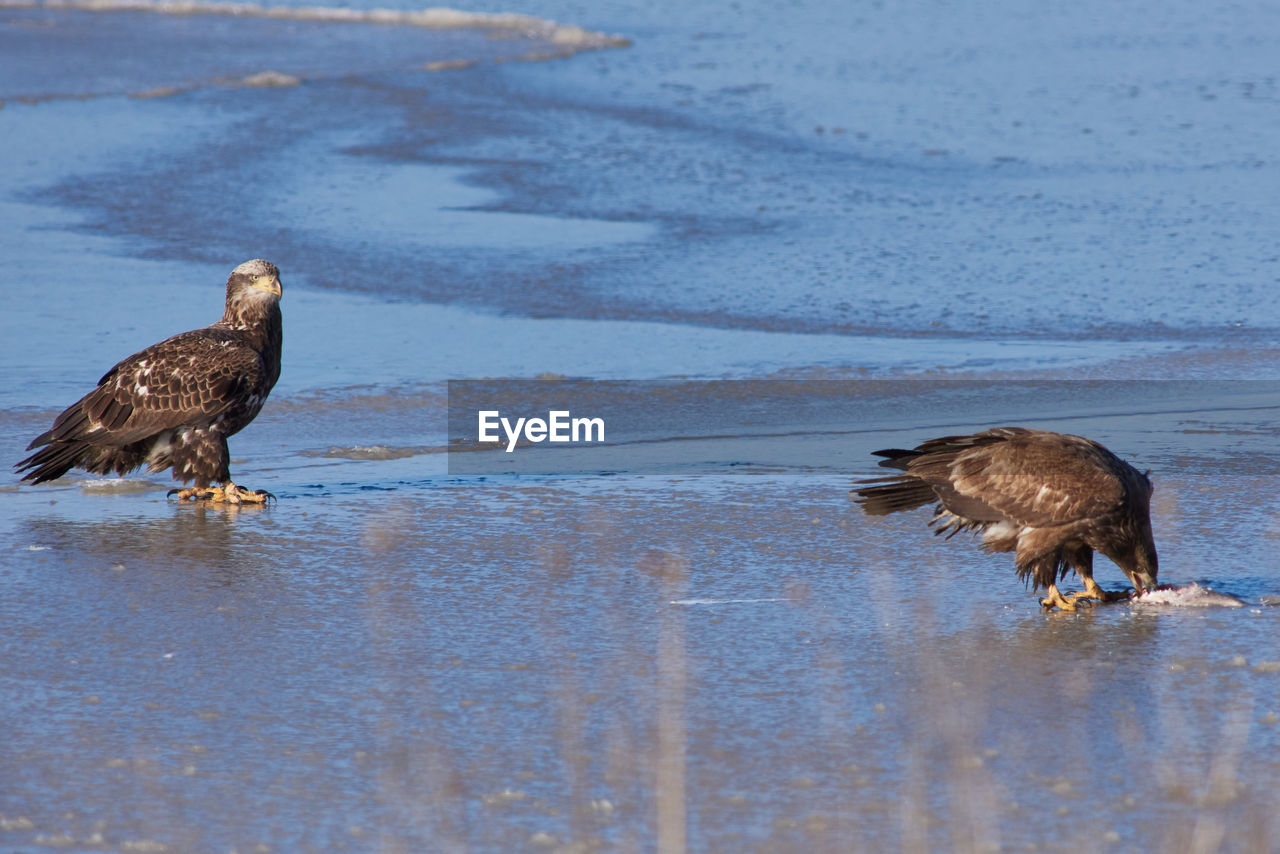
174	404
1052	498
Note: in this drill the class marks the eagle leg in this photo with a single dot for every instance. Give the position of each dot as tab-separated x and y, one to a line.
1055	599
1093	591
229	493
191	493
233	494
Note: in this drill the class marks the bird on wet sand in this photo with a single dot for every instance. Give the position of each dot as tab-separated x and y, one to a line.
174	404
1052	499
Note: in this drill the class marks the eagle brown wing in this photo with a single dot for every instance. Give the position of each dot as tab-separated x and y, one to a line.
192	379
1033	478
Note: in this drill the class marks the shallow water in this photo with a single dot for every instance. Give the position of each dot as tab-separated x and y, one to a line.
676	655
483	664
744	662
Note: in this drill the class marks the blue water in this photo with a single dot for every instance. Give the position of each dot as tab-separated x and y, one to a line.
397	658
959	173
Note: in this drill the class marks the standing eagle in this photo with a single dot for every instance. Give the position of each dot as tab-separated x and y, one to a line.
1051	498
175	403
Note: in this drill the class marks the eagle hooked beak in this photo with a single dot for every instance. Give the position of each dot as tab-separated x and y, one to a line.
270	285
1142	582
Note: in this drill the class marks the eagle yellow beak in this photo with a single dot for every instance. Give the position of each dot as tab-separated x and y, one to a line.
271	285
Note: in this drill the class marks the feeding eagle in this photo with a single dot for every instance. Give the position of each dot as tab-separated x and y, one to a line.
1051	498
175	403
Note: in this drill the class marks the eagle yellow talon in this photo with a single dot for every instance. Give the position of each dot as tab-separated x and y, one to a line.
1055	599
191	493
233	494
228	494
1096	593
1069	601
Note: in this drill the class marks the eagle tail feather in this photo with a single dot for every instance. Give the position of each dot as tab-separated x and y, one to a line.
895	458
60	456
897	495
54	460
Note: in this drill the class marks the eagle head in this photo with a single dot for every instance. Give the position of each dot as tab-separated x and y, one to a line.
1135	552
256	278
253	294
1144	566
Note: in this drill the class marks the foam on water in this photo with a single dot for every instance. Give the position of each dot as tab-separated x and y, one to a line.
728	601
118	485
1191	595
435	18
368	452
150	49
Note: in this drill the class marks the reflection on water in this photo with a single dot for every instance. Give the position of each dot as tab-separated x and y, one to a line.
195	535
